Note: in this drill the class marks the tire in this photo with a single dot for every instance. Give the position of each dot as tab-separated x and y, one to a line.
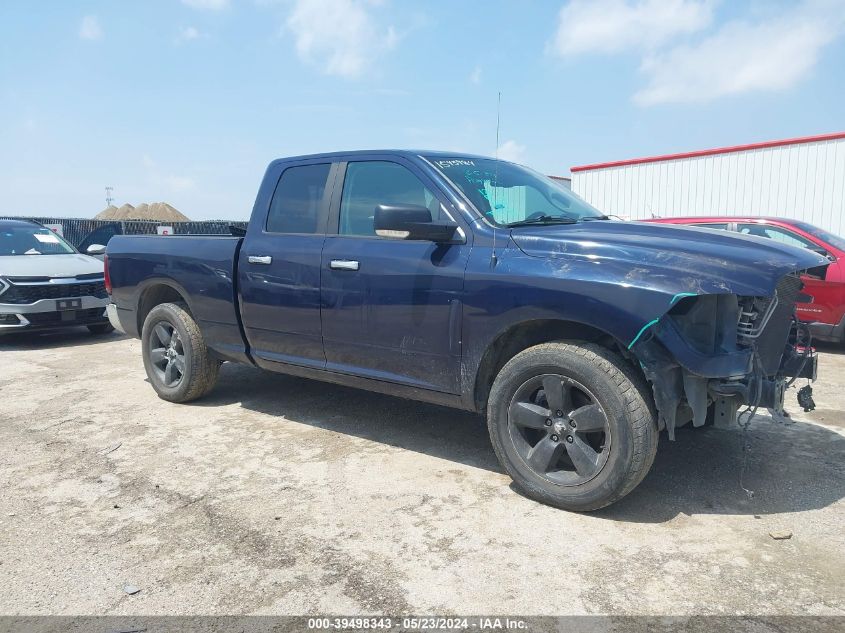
101	328
197	373
592	463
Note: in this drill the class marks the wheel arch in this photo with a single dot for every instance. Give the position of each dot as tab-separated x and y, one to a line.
520	336
155	293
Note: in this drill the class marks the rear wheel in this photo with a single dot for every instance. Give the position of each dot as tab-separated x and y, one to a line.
177	361
572	424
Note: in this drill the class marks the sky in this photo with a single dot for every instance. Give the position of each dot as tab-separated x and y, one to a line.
186	101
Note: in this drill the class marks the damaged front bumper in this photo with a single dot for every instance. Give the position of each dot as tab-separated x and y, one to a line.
709	355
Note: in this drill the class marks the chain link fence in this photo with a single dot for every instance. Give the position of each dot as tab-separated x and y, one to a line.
83	232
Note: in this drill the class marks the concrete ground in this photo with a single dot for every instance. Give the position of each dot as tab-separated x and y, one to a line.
277	495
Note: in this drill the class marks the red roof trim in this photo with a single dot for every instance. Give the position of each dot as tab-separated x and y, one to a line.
710	152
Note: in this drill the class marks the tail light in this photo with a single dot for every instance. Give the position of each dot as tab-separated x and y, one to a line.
106	277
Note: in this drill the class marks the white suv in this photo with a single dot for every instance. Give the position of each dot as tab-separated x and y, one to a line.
45	283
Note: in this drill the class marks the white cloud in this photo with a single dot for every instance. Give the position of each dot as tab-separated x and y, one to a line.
188	33
207	5
341	36
475	75
90	28
686	59
610	26
770	55
511	150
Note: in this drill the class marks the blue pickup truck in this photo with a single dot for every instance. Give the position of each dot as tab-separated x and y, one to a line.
482	285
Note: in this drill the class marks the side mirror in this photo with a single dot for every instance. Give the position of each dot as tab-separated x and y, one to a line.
411	222
96	249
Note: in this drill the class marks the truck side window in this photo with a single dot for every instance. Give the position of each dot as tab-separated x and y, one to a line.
371	183
296	203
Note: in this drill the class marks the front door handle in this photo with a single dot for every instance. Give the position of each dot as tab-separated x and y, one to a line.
259	259
343	264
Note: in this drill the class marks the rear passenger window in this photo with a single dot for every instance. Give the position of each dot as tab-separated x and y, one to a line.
297	201
369	184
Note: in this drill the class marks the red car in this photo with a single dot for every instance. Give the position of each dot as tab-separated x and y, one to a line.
826	313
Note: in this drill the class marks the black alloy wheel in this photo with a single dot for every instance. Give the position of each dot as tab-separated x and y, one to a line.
167	354
559	429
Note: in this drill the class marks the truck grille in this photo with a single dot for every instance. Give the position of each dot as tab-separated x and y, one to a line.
30	293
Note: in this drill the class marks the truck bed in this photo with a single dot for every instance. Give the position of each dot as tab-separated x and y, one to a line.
200	267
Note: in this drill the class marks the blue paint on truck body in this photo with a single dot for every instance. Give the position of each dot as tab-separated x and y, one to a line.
422	319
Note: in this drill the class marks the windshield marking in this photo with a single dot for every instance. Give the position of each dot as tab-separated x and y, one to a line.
457	162
509	194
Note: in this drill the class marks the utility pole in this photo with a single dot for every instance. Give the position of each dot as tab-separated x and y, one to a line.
109	197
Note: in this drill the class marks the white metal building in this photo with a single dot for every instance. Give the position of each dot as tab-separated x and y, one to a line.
801	178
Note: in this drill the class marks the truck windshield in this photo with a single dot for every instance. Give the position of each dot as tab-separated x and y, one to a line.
511	195
31	240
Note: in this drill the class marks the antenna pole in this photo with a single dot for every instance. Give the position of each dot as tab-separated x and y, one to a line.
498	119
493	257
109	198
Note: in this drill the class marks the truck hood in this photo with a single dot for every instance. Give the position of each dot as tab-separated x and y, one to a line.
669	258
69	265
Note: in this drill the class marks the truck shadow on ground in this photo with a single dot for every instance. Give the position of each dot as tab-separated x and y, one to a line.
790	467
830	348
70	337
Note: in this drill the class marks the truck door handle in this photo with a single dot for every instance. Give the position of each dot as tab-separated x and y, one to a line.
343	264
259	259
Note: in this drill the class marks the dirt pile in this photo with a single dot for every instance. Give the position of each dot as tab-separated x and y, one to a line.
157	211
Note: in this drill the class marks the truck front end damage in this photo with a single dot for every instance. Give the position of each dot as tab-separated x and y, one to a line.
711	354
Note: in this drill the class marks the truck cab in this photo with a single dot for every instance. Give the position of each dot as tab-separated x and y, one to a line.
320	288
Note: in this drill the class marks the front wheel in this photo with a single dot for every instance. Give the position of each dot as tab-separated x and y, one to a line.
101	328
572	425
177	361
